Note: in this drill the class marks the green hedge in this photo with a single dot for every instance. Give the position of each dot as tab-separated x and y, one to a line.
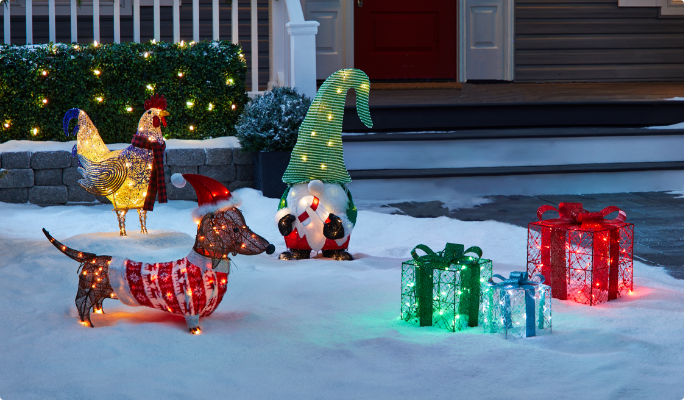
213	73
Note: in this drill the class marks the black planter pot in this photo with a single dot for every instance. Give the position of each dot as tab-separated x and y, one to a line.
269	168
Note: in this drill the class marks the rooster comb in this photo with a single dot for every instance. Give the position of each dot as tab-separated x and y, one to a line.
156	101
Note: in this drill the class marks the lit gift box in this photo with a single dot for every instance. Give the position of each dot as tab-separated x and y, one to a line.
444	289
517	307
585	257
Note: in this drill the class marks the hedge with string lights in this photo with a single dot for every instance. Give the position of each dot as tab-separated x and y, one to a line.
204	86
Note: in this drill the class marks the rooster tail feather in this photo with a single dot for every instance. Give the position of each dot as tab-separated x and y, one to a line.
68	251
71	114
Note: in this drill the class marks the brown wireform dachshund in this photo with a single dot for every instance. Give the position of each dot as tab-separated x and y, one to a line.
192	286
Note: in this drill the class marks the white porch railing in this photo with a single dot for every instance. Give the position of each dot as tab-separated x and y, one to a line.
293	61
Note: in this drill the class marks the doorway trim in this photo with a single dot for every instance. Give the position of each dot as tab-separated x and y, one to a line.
509	43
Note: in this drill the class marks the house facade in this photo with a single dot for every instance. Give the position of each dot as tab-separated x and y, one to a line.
519	41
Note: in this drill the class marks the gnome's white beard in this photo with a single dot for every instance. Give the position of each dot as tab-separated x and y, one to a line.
333	199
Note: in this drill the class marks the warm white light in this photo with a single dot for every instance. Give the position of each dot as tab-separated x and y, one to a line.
233	107
189	103
44	101
229	82
76	47
211	107
6	125
147	54
154	41
99	99
192	128
35	131
182	43
180	74
129	109
44	73
96	72
149	87
95	43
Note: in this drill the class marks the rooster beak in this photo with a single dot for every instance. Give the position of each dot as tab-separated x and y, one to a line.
164	113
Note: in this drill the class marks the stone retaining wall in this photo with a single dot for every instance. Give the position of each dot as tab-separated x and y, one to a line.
51	177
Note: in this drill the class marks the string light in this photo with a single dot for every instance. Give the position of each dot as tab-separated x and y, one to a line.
180	74
76	47
182	43
229	81
154	41
192	128
146	54
150	87
96	72
211	107
99	99
44	72
129	109
6	125
35	131
233	107
95	43
189	104
45	101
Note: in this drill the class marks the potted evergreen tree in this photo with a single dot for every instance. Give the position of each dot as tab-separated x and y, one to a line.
268	127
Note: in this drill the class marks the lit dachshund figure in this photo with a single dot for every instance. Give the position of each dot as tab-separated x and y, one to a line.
192	286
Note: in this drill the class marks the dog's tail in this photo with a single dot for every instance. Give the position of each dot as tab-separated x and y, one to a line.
68	251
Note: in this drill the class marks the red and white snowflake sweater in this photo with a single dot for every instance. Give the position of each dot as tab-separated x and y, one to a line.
188	287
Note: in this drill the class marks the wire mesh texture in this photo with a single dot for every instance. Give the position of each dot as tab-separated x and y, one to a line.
588	264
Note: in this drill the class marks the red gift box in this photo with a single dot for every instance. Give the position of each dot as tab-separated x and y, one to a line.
583	256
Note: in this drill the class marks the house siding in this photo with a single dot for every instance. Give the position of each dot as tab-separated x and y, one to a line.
85	29
595	41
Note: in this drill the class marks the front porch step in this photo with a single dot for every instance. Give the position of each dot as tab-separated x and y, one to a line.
513	161
444	117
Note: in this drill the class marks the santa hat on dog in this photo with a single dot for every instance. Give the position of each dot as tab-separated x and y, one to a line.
212	196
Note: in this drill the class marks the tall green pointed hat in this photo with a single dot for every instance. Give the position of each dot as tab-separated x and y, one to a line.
318	153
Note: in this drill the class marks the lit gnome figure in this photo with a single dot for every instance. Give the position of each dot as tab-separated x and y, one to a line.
317	212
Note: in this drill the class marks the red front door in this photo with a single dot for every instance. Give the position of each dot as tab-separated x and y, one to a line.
405	39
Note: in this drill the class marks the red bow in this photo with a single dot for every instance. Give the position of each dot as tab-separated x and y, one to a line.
574	213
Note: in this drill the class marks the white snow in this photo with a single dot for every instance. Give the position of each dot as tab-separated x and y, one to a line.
313	329
673	126
28	145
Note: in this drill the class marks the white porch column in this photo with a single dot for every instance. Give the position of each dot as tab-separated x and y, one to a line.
234	21
277	44
6	21
303	56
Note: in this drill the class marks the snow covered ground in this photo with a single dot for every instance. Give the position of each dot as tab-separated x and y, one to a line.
314	329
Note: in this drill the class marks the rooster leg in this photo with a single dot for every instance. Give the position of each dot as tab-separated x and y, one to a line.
121	216
142	214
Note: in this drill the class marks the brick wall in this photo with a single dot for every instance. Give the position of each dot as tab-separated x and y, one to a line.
51	177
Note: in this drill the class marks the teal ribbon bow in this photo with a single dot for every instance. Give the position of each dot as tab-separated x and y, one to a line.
453	254
520	280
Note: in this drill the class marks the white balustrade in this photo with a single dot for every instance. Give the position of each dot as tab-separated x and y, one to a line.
293	40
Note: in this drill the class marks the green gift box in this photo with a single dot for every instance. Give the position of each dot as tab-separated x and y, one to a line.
444	289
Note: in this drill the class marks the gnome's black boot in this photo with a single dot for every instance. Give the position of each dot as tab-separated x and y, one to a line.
339	255
292	254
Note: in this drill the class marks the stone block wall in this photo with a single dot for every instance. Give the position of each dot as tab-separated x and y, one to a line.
51	177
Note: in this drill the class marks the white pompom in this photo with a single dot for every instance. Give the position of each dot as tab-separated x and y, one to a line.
178	180
316	188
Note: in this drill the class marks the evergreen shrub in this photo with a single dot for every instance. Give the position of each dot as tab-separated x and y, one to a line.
271	121
201	83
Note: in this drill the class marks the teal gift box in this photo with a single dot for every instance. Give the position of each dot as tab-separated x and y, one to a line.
444	289
517	307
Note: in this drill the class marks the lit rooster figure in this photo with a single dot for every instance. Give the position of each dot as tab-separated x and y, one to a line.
130	178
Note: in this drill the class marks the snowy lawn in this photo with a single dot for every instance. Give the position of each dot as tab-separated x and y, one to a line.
311	329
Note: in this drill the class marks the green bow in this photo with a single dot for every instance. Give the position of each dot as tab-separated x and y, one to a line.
453	254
